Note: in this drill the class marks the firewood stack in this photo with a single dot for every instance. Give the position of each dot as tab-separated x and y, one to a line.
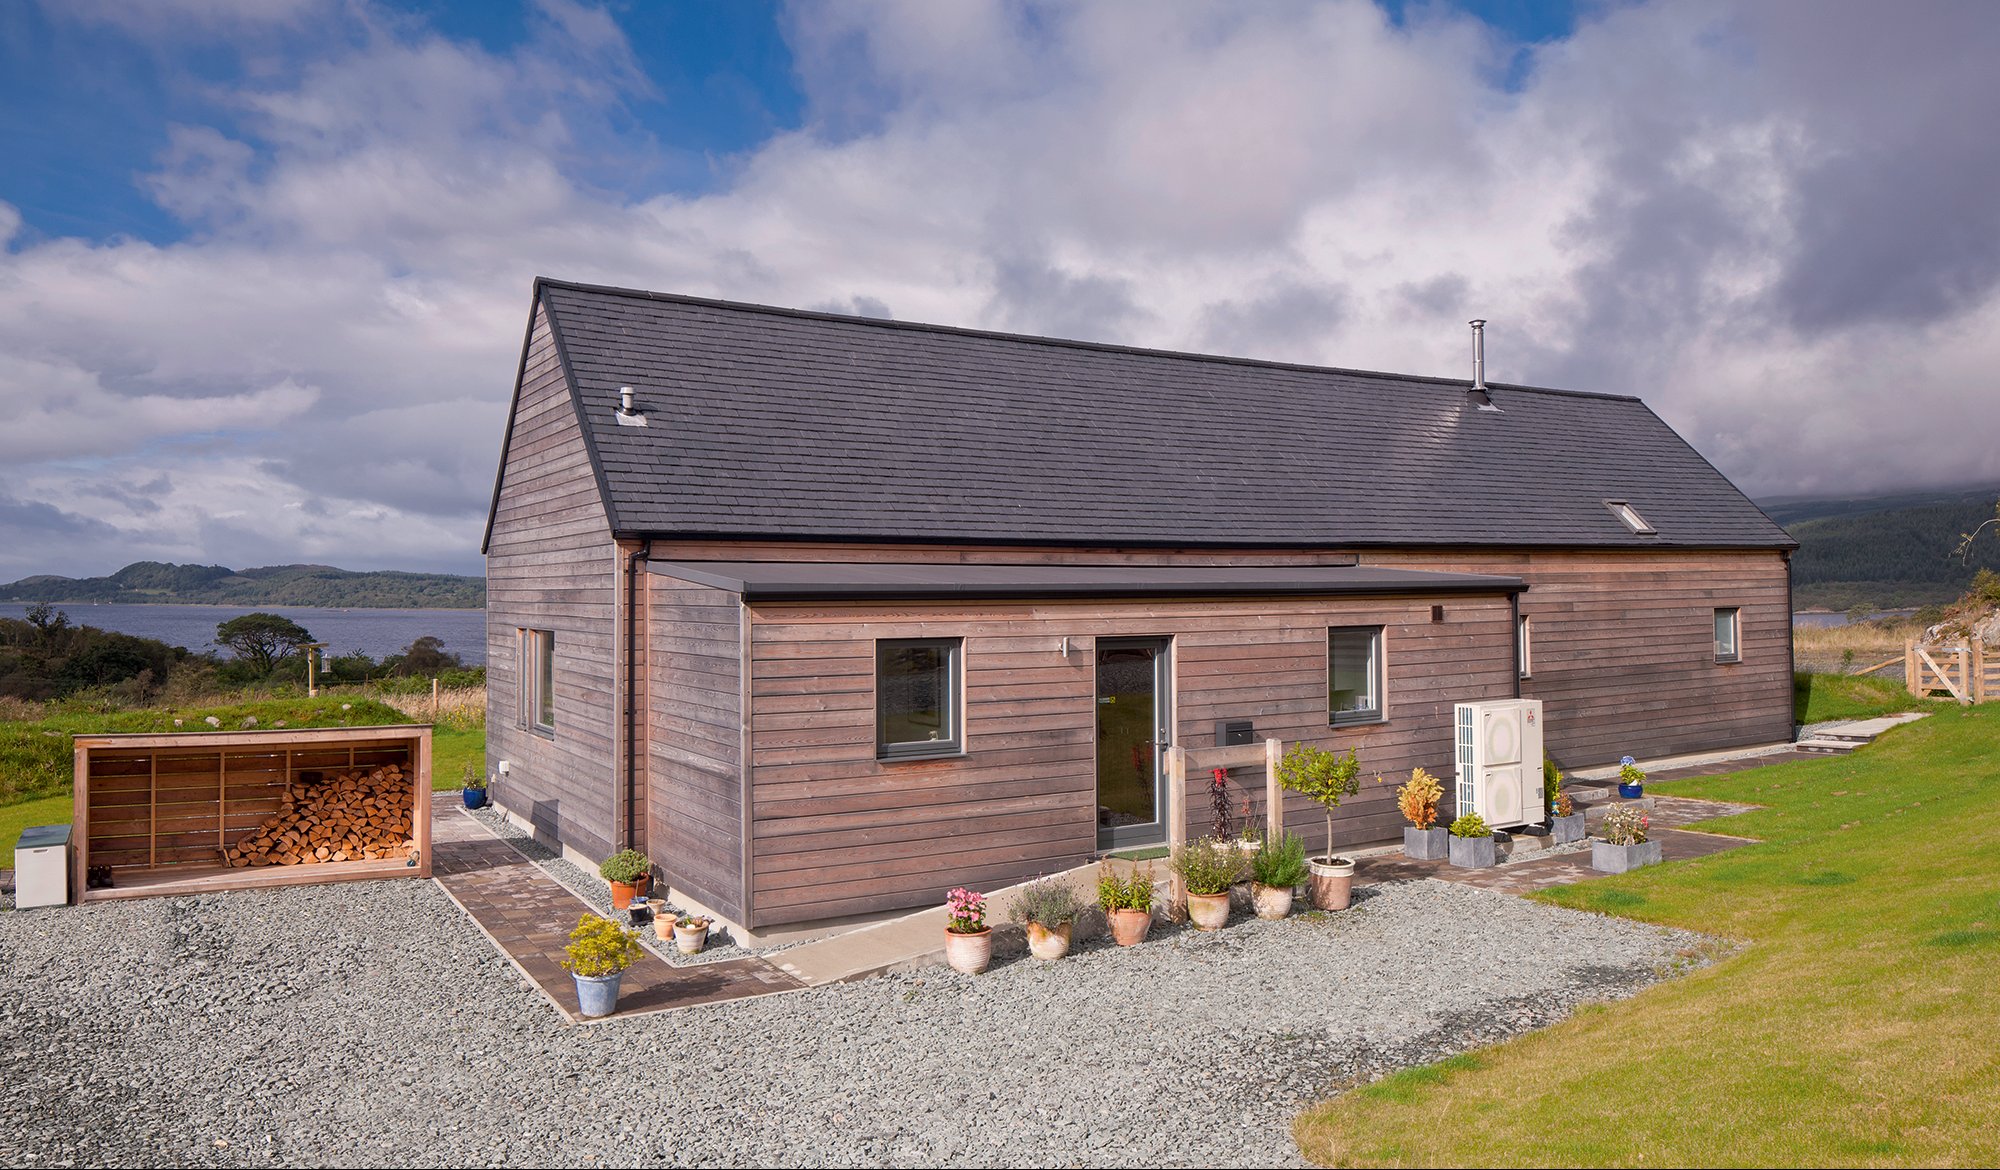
346	816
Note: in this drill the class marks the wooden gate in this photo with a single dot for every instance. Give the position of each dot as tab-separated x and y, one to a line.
1961	670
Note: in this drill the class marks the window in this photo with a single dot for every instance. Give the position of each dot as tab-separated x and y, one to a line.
538	681
1523	645
1630	516
916	698
1728	635
1354	674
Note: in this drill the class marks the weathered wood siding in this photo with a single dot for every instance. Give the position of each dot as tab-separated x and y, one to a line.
551	564
694	737
835	831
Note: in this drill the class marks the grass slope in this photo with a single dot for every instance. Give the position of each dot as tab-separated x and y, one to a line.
1855	1028
1817	698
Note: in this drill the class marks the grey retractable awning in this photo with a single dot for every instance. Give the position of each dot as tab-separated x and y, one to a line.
803	581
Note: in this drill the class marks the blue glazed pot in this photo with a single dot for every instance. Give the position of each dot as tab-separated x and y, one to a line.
597	995
474	797
1631	791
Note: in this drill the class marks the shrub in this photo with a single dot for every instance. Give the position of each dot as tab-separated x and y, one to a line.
625	867
1133	891
1552	782
1626	825
1208	866
599	946
967	911
1418	798
1323	775
1049	902
1564	806
474	778
1471	825
1279	861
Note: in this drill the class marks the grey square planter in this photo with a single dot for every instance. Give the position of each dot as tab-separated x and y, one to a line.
1567	829
1472	852
1424	844
1608	858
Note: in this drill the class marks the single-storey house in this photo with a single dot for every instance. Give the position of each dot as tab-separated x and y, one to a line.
830	614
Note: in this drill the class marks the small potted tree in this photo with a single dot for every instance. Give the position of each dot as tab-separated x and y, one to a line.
630	873
1127	901
472	790
968	941
1276	869
1047	910
599	950
1625	843
1326	777
1207	868
1423	837
1631	780
1472	842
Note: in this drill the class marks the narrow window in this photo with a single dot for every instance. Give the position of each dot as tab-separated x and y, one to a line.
1728	635
538	680
1630	516
916	698
1354	674
1524	645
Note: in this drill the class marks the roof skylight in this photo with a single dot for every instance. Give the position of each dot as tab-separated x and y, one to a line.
1630	516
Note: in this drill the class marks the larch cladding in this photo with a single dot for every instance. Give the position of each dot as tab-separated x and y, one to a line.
694	740
551	564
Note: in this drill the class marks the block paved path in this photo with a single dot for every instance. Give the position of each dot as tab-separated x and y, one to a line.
529	915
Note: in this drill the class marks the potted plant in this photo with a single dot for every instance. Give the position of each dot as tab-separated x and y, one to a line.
1471	842
473	789
630	874
1207	868
1127	901
1625	842
1277	867
691	933
1048	909
1565	819
968	941
599	950
1631	781
1423	837
1326	777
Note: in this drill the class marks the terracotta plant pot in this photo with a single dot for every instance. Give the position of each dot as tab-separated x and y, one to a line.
622	893
690	939
1129	927
969	953
1049	942
1209	911
1272	902
1332	882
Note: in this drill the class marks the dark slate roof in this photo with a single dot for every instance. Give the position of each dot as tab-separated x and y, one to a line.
778	423
800	581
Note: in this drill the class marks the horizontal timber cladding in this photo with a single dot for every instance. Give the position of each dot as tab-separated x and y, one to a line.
1623	653
694	740
836	831
551	565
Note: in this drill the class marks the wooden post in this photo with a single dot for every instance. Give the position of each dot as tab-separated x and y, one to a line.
79	838
1176	825
1274	793
152	810
1910	682
434	700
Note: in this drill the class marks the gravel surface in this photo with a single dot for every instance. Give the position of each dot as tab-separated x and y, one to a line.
369	1023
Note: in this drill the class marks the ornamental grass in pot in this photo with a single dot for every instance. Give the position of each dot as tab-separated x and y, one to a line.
1417	799
1047	910
1327	777
1207	868
968	941
1278	867
1472	844
599	950
630	873
1127	901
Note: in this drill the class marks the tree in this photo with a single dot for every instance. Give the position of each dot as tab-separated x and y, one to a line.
1323	775
1965	539
425	656
262	639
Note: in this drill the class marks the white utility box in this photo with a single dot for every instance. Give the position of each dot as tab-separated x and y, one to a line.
41	867
1499	759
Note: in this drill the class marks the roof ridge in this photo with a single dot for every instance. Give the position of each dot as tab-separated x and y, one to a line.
542	282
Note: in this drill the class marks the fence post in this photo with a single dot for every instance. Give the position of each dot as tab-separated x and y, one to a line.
1176	826
1274	793
1910	669
434	700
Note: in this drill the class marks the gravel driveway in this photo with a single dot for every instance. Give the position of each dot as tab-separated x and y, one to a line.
371	1024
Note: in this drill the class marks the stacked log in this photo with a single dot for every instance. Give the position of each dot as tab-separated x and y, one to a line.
344	816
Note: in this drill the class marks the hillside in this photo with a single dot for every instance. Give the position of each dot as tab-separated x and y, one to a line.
321	585
1896	554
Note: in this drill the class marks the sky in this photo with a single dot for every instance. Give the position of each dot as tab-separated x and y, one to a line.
265	264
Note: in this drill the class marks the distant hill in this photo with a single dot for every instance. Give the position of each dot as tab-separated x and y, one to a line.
1886	551
321	585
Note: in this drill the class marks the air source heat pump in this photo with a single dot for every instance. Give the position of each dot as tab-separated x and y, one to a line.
1499	759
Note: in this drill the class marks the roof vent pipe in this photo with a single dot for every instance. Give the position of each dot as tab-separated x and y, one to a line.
626	416
1477	394
624	400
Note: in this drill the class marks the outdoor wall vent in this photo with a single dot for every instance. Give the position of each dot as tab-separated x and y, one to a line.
628	417
1477	395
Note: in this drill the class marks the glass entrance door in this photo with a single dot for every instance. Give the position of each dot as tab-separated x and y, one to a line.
1134	727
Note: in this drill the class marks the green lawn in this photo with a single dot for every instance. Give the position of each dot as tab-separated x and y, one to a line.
1856	1027
1819	697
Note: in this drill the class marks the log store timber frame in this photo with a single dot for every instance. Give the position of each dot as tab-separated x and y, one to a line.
173	845
717	514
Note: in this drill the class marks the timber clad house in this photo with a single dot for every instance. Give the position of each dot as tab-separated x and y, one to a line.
829	614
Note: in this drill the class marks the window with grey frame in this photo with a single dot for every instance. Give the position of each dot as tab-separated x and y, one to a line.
1729	635
538	681
1354	674
917	698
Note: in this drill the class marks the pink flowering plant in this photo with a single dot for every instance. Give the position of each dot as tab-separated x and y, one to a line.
1626	825
967	911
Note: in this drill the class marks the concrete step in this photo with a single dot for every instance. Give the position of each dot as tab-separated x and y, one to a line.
1829	745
